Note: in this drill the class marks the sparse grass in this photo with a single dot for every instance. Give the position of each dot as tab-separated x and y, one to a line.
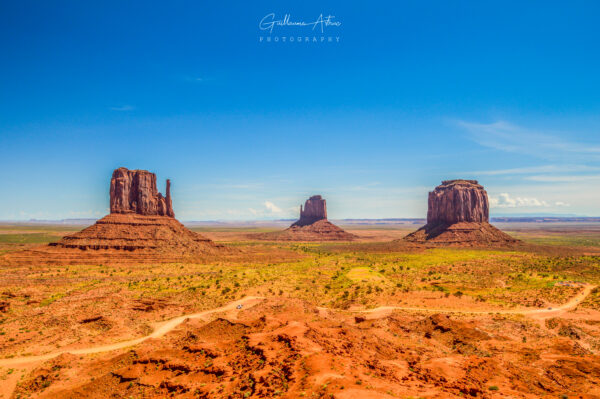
29	238
333	274
363	274
329	278
235	229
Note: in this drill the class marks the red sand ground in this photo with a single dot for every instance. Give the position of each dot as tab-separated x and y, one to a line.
286	348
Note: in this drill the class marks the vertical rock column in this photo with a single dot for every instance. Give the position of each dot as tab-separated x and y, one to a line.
168	200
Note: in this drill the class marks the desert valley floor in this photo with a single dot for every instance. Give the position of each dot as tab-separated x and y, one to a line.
371	318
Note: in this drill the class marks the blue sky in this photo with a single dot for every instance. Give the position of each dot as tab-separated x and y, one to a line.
413	93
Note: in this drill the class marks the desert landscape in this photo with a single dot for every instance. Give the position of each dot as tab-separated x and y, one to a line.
299	199
137	305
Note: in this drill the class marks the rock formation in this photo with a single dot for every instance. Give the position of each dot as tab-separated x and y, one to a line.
312	225
315	209
132	232
458	213
134	191
458	201
141	222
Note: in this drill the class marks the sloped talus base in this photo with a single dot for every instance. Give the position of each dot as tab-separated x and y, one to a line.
322	230
463	233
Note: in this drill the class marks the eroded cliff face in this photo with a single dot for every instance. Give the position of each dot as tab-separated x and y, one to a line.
457	201
458	214
315	209
134	191
141	224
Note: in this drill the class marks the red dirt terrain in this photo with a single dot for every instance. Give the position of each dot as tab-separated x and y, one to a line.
287	348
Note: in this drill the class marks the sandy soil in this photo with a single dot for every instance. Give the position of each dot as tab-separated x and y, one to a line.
295	331
364	235
343	320
286	348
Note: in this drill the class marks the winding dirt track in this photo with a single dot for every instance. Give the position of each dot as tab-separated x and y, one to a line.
161	330
250	301
384	311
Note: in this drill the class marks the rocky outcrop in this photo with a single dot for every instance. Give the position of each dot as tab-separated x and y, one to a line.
141	222
134	191
458	214
458	201
315	209
312	226
321	230
131	232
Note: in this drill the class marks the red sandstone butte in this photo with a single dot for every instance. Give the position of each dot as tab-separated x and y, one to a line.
315	209
458	214
134	191
141	220
312	225
458	201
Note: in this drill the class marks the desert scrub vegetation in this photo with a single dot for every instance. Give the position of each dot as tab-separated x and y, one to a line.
332	275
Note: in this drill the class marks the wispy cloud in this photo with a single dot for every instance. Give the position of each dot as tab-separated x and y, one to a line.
537	169
562	178
363	187
508	137
505	200
271	207
196	79
271	210
122	108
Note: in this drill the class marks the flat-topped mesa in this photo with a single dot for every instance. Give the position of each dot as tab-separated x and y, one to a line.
315	209
134	191
457	201
458	214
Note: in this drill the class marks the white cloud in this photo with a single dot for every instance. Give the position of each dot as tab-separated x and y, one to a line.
504	200
271	207
560	203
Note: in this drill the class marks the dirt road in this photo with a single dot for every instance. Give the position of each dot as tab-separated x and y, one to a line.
384	311
161	329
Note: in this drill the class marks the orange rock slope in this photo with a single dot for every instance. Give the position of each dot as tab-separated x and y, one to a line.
322	230
131	232
290	349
